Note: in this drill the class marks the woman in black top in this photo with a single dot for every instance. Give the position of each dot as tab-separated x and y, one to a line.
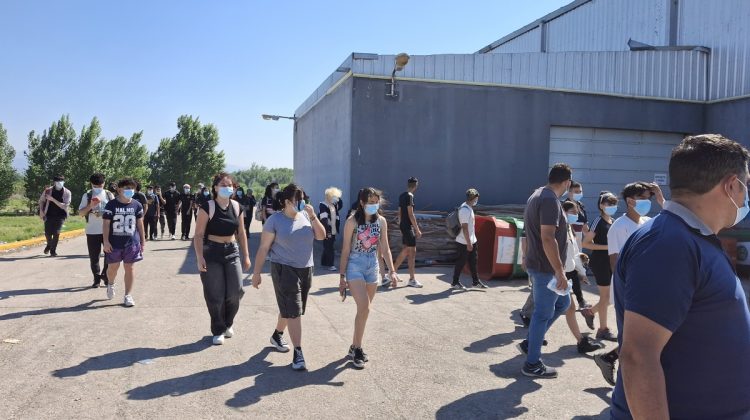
269	205
248	204
596	240
219	227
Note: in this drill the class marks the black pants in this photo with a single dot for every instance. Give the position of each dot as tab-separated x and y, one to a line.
52	228
162	222
248	220
222	284
150	226
171	223
326	260
463	256
187	219
573	275
95	243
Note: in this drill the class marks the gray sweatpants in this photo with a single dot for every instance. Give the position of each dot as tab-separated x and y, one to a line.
222	284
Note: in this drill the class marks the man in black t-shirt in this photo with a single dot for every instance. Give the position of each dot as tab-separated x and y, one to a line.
53	209
140	197
185	206
409	231
171	199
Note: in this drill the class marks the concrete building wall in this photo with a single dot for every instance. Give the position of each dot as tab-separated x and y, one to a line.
322	140
496	139
730	118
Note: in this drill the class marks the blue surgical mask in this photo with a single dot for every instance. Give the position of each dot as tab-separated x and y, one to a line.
128	193
577	196
642	207
745	209
205	193
371	209
572	218
225	192
301	205
187	190
610	210
239	193
96	191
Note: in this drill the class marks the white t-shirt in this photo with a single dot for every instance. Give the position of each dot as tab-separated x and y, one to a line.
620	231
466	215
95	225
573	250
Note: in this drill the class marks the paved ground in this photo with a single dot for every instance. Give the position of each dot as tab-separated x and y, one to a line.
433	353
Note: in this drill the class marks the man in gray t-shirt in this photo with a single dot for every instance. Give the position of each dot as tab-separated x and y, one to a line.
544	251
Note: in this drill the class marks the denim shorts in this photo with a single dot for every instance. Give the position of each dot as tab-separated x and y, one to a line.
362	266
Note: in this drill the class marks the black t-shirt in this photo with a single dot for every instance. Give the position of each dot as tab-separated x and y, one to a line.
53	210
225	222
141	198
170	201
600	227
153	204
405	201
187	201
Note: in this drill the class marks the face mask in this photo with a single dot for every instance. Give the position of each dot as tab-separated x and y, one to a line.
577	196
334	200
96	191
205	193
301	205
610	210
239	193
744	210
642	207
572	218
225	192
172	188
59	184
150	192
128	193
276	191
187	190
371	209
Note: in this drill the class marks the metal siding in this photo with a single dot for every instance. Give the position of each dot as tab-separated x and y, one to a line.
721	26
529	42
606	160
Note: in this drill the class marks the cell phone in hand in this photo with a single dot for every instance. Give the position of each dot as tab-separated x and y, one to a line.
343	294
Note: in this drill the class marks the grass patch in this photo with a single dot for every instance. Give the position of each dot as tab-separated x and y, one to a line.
19	228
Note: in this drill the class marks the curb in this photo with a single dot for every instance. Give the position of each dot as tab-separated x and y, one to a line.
12	246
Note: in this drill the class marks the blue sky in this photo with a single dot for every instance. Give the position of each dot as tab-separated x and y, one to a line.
140	64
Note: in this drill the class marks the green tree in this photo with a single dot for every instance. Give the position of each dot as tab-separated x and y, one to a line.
258	176
122	157
47	156
7	173
190	156
85	159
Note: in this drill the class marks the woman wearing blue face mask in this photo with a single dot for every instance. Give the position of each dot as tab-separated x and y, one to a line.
596	241
288	235
219	228
365	233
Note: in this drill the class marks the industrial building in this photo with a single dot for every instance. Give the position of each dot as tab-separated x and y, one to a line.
608	86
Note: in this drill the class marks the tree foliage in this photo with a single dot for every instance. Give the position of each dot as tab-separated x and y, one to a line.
7	173
191	156
258	176
47	156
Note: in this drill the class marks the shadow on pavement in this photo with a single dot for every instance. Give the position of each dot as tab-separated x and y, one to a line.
48	311
502	403
26	292
269	380
38	257
498	340
324	291
125	358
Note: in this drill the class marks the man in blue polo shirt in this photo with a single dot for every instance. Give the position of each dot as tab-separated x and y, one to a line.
681	311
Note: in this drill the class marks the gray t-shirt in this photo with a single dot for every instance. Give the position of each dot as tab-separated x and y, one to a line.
293	245
544	208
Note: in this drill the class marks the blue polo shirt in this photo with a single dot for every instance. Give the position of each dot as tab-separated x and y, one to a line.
674	272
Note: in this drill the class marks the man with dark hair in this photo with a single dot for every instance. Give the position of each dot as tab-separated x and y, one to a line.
580	228
92	207
681	310
545	250
466	242
185	206
53	209
151	218
409	231
171	199
140	197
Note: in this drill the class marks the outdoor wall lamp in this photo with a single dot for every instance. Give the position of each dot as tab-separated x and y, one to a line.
268	117
401	61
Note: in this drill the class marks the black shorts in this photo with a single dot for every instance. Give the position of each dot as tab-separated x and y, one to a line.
291	286
602	273
408	238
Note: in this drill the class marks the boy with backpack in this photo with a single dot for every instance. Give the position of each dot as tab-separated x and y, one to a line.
92	208
461	223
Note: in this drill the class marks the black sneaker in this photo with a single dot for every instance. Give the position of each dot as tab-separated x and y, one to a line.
525	319
52	254
523	346
46	250
479	284
588	315
359	358
97	283
605	334
538	370
277	340
586	345
351	353
298	362
607	367
458	286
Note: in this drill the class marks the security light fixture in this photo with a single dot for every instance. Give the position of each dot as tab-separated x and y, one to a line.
401	61
268	117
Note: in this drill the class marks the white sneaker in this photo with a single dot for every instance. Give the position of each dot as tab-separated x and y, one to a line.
414	283
218	340
333	268
129	302
229	333
110	291
386	281
172	237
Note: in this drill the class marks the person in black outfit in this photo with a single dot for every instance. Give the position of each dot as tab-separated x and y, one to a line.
410	231
53	209
140	197
247	201
171	200
269	205
575	194
152	214
185	206
162	217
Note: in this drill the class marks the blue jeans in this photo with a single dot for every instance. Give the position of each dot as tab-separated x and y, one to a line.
548	306
362	266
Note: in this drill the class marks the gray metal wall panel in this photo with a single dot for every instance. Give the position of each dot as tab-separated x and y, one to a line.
721	25
529	42
731	118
